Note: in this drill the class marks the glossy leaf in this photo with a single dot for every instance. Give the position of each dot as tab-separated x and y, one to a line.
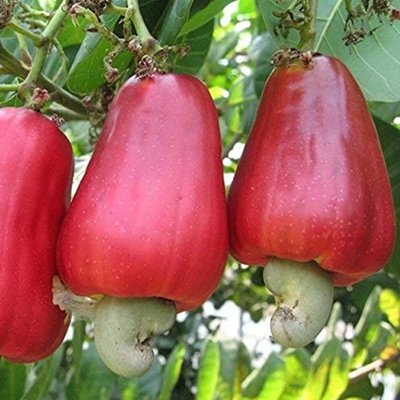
389	303
378	339
96	379
386	112
74	386
235	367
177	14
329	372
207	377
267	383
149	385
172	371
87	72
12	380
390	140
262	50
204	16
44	373
72	33
375	62
366	328
298	372
199	43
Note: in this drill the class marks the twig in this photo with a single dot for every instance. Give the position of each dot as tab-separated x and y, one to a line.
9	87
138	22
374	366
35	38
40	57
13	67
100	27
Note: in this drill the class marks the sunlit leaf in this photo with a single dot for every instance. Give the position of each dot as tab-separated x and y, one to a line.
172	371
207	377
329	372
235	367
267	383
298	372
389	303
205	15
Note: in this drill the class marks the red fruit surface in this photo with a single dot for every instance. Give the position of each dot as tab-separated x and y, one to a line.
149	217
312	182
35	180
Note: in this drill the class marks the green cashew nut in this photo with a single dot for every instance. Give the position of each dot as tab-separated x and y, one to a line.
304	295
123	332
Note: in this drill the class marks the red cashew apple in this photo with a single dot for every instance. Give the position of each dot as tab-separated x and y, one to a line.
311	198
35	181
147	228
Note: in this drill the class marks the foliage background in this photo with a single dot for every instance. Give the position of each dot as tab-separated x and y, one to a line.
223	351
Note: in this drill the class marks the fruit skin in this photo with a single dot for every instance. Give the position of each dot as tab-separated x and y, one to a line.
149	217
312	182
35	180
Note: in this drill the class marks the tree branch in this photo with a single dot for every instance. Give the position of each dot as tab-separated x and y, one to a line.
374	366
13	67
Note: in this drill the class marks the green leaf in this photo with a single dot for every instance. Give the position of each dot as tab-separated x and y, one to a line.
378	340
12	380
220	48
207	377
78	133
172	371
386	112
371	314
149	385
44	372
130	391
178	13
247	7
96	380
366	329
205	15
199	42
72	33
389	303
10	99
390	140
235	367
375	62
363	389
267	383
329	372
87	71
268	10
261	51
154	13
74	386
298	373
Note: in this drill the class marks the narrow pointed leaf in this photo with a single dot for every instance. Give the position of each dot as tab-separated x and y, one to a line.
207	377
172	371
